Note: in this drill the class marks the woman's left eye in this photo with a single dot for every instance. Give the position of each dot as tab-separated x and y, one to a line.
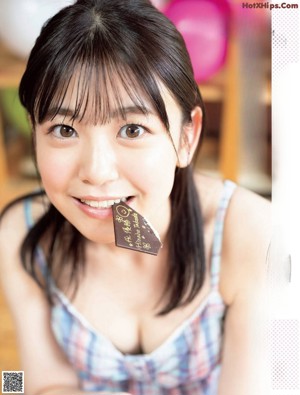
131	131
63	131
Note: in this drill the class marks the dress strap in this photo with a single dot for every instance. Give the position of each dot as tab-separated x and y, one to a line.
39	254
28	213
228	189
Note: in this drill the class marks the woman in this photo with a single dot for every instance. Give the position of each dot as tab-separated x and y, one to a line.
117	119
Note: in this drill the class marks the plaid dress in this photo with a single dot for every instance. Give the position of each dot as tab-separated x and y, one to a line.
187	363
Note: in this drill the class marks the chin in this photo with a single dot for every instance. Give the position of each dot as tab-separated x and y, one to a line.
99	239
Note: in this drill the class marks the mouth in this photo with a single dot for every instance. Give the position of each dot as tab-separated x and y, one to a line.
103	204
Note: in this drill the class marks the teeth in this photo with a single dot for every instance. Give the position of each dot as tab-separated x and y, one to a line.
102	204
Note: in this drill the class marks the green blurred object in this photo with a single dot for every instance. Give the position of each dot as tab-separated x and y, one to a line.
13	111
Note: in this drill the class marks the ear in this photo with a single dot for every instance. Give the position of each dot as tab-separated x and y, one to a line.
190	138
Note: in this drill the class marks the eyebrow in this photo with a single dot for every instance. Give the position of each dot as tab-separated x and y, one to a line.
68	112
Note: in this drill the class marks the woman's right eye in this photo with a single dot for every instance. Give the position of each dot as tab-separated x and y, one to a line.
63	131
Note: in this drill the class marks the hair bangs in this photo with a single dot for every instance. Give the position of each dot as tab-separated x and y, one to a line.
96	82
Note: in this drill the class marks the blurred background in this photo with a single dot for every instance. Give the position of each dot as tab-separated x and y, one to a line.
230	49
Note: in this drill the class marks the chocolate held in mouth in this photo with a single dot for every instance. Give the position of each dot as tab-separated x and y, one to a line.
133	231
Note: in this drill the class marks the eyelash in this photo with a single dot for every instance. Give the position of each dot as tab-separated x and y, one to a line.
70	128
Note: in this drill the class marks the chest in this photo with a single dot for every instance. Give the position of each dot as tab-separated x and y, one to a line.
128	316
188	358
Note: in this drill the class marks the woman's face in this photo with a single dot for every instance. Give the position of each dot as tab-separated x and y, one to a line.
85	168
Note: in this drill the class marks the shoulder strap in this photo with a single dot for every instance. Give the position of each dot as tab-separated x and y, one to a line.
39	254
228	190
28	213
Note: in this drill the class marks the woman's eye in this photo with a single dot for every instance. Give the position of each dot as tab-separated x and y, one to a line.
63	131
131	131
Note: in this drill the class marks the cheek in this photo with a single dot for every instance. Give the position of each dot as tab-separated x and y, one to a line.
153	170
54	167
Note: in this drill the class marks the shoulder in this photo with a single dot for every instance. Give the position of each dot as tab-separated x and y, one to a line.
247	228
246	241
13	230
15	217
248	208
246	234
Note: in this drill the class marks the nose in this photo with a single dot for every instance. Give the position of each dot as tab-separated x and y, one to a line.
98	164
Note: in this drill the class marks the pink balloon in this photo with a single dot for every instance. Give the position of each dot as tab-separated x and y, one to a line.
160	4
204	25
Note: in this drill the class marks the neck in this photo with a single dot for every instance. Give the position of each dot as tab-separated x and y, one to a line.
117	256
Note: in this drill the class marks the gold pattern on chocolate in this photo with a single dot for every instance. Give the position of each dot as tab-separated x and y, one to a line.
133	231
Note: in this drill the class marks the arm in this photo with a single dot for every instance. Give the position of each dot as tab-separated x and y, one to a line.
46	369
246	241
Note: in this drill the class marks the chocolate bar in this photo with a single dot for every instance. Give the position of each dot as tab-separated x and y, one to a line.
133	231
